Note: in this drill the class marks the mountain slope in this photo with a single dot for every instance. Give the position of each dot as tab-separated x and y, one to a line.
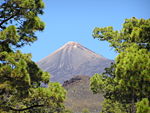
73	59
80	97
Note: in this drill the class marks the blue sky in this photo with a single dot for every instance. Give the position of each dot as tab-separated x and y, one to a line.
74	20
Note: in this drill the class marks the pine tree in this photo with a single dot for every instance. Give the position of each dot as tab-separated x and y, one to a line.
143	106
127	81
20	77
134	31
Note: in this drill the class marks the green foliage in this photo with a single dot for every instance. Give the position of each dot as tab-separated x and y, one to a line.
143	106
133	73
127	81
85	110
96	83
52	97
134	31
18	22
112	107
20	78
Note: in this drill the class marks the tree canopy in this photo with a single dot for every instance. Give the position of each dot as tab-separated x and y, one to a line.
20	78
127	81
133	31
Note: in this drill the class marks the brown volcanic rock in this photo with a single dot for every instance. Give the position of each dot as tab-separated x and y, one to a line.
73	59
80	97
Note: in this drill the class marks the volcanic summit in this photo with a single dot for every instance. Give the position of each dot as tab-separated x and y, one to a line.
73	59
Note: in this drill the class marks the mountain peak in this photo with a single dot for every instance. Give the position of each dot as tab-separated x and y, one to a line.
72	43
73	59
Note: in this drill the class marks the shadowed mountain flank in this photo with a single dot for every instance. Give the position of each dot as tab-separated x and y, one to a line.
73	59
80	97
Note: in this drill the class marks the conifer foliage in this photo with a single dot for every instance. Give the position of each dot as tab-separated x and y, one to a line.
127	81
20	77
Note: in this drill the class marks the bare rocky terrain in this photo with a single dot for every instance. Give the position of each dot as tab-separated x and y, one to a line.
80	97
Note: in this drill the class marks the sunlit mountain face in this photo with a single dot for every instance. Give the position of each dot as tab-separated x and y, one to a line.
73	59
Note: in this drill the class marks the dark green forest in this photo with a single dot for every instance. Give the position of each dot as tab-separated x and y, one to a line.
125	85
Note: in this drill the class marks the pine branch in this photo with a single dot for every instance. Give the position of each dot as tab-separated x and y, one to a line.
31	107
12	16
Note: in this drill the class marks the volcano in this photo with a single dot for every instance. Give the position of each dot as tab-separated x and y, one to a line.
73	59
